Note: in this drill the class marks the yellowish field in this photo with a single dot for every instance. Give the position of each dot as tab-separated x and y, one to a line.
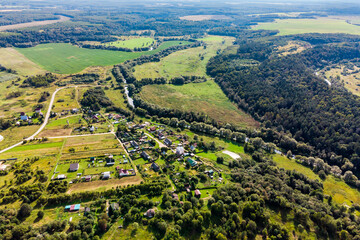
104	185
351	80
299	26
15	135
204	17
13	59
66	99
33	24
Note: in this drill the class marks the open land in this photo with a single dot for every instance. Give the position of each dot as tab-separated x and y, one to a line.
299	26
66	58
33	24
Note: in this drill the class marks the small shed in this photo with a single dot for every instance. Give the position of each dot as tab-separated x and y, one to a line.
150	213
197	193
105	175
86	211
61	176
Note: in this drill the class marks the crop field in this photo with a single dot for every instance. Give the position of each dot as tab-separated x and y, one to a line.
132	42
32	24
186	62
65	58
338	189
204	97
13	59
319	25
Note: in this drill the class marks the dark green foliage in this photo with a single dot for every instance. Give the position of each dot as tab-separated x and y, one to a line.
39	80
95	99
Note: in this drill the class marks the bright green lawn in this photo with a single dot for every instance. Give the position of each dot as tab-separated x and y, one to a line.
319	25
66	58
205	97
132	43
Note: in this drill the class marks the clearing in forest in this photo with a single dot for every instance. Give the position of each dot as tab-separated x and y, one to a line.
188	62
132	43
299	26
206	97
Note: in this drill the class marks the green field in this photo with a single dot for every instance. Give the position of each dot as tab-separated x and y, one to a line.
132	43
186	62
319	25
66	58
204	97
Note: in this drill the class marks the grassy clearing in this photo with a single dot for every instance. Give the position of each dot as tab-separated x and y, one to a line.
116	97
13	59
66	58
104	185
337	188
204	97
319	25
66	99
132	42
16	134
186	62
62	123
350	80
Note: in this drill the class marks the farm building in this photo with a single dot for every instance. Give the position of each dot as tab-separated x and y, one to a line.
74	167
105	175
197	193
167	142
192	162
72	208
155	167
61	177
145	156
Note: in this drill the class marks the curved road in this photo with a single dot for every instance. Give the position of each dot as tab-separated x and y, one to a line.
42	125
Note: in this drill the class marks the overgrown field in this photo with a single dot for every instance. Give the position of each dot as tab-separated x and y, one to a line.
66	58
186	62
337	188
319	25
204	97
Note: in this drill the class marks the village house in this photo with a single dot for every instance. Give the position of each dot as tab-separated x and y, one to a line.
180	150
167	142
197	193
134	144
155	167
192	162
145	156
61	177
23	116
72	208
74	167
123	172
105	175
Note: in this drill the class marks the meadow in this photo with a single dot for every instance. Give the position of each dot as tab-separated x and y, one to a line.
66	59
206	97
186	62
299	26
132	43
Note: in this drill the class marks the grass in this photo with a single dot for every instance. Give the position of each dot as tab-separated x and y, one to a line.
204	97
15	135
61	123
66	99
337	188
186	62
132	42
13	59
66	58
319	25
351	80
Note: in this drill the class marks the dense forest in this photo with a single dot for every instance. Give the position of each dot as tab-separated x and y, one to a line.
284	93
